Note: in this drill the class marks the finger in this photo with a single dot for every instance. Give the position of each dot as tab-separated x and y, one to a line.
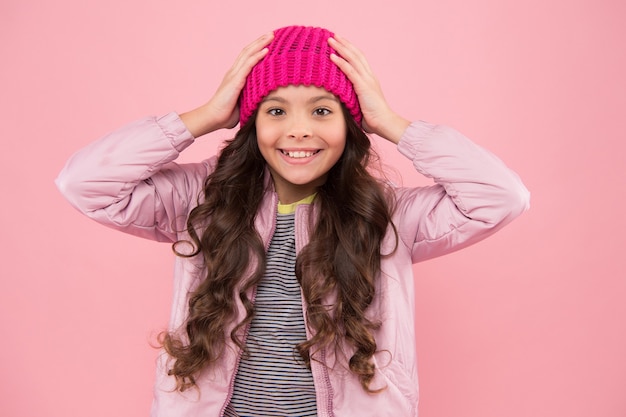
257	44
246	65
346	68
351	54
361	79
252	53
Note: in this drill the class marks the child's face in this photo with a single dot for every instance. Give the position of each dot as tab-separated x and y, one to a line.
301	132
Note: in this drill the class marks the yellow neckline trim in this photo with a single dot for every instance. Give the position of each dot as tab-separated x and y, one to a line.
291	208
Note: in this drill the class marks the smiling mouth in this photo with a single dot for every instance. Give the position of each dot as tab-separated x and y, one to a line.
299	154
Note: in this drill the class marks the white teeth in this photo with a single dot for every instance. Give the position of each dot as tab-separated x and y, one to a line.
299	154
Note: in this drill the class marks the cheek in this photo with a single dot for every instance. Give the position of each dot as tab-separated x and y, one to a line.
266	149
265	136
336	138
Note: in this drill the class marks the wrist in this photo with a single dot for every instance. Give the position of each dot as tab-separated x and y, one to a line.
202	120
392	127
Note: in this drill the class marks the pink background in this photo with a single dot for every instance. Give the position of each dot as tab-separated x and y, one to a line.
531	322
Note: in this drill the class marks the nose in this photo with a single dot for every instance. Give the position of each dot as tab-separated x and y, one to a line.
300	127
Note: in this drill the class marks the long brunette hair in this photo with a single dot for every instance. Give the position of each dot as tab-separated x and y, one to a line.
341	261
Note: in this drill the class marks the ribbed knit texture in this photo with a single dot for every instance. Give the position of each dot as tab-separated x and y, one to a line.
298	55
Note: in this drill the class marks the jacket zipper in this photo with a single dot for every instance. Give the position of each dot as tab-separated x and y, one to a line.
231	386
321	378
329	387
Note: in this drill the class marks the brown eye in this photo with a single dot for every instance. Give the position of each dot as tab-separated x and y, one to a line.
276	112
322	111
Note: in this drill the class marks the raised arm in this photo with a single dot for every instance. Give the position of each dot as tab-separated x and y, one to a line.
475	195
128	180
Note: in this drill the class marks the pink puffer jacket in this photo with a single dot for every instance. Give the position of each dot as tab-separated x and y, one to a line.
128	181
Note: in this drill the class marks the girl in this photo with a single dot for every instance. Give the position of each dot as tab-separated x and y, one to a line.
293	280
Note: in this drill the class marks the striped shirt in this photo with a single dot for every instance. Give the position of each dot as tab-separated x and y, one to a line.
272	379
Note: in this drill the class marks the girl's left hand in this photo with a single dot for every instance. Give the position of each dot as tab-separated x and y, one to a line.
378	117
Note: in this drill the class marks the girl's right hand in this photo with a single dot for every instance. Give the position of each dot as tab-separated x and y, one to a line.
222	110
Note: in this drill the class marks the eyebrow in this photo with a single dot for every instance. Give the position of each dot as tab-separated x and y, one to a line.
314	99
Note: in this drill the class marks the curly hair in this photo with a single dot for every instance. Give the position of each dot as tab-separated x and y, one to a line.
341	260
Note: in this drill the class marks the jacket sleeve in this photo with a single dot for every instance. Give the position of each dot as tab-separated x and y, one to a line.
127	179
474	194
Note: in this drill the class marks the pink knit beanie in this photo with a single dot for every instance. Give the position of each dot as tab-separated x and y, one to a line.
298	55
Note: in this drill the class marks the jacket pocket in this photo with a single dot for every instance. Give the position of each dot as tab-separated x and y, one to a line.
401	386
